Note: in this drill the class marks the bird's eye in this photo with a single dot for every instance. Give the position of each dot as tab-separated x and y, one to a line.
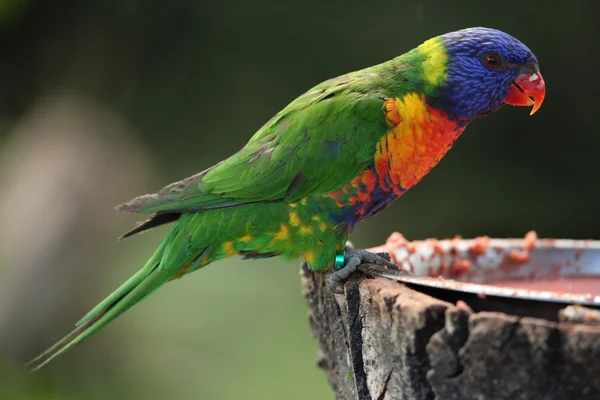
491	60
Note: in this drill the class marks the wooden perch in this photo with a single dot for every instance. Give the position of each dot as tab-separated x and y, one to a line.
385	340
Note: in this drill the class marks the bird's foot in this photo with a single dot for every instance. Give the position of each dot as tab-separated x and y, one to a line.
348	261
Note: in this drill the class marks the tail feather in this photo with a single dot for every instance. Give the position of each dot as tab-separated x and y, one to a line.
140	285
152	222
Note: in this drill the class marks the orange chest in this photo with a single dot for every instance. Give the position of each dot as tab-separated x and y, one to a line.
417	140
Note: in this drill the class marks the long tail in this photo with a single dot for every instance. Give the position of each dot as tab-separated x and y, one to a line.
140	285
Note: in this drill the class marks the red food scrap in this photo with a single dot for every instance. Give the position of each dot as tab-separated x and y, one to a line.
519	256
530	239
498	249
455	243
442	269
437	247
396	239
459	267
479	245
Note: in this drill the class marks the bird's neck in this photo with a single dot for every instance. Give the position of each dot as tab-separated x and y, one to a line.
418	138
421	70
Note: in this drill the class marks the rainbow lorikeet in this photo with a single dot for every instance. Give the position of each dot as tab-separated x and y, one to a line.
339	153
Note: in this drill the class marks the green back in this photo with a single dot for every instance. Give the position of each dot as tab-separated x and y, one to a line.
316	145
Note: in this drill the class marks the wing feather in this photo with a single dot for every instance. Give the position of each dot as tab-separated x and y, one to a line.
316	145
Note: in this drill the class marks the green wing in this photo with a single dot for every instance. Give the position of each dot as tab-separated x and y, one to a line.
316	145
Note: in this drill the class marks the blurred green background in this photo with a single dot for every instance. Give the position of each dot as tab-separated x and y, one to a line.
102	100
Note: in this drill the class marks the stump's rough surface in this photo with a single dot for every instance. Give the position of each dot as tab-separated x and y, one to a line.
384	340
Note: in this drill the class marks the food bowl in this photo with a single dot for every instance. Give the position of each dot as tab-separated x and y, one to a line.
549	270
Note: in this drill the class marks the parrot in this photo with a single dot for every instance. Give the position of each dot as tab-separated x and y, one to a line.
336	155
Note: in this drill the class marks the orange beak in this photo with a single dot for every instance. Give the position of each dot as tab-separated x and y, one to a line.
527	90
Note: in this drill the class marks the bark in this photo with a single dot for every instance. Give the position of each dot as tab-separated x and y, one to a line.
385	340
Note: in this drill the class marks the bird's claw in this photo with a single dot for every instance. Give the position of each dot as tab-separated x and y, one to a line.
354	258
333	283
386	256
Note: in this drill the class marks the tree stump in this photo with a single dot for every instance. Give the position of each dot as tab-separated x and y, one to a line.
382	339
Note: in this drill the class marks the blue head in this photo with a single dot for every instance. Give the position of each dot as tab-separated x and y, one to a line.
484	69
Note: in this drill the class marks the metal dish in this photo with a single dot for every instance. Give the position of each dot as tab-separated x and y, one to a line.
507	268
